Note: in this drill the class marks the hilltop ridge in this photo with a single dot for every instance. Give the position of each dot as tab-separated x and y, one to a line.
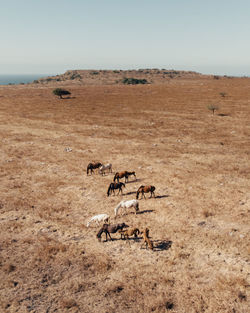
112	77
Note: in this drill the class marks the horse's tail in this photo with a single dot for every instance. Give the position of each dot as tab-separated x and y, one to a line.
99	234
137	206
137	193
115	177
137	231
89	222
87	169
109	190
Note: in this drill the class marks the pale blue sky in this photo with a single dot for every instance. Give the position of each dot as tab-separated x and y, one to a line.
52	36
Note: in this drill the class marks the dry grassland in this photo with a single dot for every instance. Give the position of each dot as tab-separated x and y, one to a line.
199	221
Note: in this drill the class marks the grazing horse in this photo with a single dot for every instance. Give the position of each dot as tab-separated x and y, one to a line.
114	186
99	218
129	232
112	228
105	167
145	189
146	240
125	174
92	166
126	205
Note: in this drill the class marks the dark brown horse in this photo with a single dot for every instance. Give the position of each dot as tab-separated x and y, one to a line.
145	189
92	166
114	186
110	228
125	174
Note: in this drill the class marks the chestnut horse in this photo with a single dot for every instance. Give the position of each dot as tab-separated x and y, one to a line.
125	174
114	186
110	228
145	189
129	232
92	166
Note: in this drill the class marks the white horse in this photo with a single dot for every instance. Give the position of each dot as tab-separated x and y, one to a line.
99	218
126	205
105	167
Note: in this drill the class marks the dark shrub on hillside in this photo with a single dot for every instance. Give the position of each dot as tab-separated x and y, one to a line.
61	92
134	81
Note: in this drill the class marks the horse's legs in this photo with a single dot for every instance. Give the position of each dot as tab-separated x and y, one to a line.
109	235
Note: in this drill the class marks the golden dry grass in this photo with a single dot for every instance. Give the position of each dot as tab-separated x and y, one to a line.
199	222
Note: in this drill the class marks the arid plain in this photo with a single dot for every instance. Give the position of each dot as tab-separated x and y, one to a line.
199	221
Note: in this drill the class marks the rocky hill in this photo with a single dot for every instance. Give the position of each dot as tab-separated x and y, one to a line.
112	77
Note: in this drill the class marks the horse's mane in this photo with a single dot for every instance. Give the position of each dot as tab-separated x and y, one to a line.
115	176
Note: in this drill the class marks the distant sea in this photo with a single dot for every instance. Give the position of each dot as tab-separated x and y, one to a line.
19	79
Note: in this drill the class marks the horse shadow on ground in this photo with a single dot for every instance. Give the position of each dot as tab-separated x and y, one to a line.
163	196
129	193
135	180
160	245
145	211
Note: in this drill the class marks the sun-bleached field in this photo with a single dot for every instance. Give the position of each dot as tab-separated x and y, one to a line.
199	221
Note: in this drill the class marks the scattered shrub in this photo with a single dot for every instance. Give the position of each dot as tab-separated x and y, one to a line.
223	94
61	92
75	75
94	73
213	108
134	81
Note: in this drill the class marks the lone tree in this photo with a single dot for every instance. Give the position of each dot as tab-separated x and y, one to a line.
213	108
61	92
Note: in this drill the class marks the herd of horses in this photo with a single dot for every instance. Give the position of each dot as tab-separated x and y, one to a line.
108	228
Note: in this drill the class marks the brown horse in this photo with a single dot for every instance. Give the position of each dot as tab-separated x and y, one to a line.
129	232
145	189
125	174
114	186
110	228
92	166
146	240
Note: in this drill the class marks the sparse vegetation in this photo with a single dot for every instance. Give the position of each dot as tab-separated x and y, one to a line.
134	81
61	92
199	220
223	94
75	76
213	108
